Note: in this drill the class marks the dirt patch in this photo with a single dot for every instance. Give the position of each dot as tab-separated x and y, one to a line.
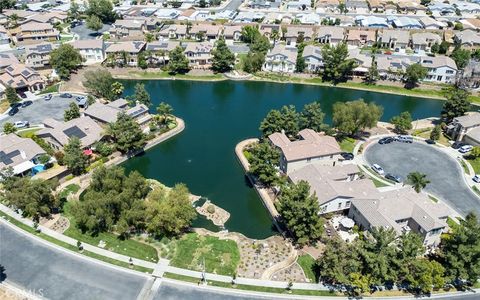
293	273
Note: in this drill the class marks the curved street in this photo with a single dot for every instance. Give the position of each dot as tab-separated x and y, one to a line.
445	174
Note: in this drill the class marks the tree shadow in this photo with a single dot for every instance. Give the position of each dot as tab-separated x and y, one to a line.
3	275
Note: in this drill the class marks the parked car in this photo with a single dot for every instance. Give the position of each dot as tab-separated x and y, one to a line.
47	97
378	169
13	111
66	95
21	124
405	139
386	140
465	148
22	95
79	98
16	105
457	145
347	156
393	177
476	178
26	103
430	142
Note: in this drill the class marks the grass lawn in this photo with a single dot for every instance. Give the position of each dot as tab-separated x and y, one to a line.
425	133
307	263
347	144
69	189
221	256
475	164
376	182
28	133
50	89
251	287
71	247
130	247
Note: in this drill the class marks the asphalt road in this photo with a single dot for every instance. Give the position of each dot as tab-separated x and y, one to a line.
41	110
86	34
54	274
444	173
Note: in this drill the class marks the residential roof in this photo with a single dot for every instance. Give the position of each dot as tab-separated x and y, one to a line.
129	23
311	144
472	119
334	32
438	61
89	44
132	47
423	38
43	48
162	45
289	53
401	36
357	35
32	26
314	51
178	29
7	59
204	47
108	113
84	128
295	31
468	37
229	31
15	150
206	28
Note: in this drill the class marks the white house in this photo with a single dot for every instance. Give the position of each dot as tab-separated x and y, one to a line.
281	59
313	58
92	51
440	69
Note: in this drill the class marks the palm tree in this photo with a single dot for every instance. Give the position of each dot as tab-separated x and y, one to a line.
418	181
13	20
165	110
117	88
275	36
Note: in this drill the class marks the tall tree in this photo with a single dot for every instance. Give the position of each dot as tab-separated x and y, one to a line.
300	62
126	133
337	65
312	117
418	181
413	74
461	57
72	112
250	33
264	160
94	23
11	95
6	4
9	128
141	95
300	210
117	88
100	83
286	119
223	59
402	122
74	11
351	117
165	110
372	75
457	104
103	9
65	59
178	62
75	160
436	132
253	62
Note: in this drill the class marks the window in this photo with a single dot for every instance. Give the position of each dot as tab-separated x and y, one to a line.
339	205
347	204
449	71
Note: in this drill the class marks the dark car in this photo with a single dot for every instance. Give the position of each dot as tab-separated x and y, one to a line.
26	103
430	142
386	140
22	95
347	156
457	145
13	111
16	105
393	177
66	95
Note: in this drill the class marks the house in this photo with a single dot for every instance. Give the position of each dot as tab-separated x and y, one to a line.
125	53
371	21
20	154
33	32
207	32
309	19
465	128
167	13
173	31
38	56
406	23
392	67
92	51
232	33
441	9
199	54
159	51
57	134
249	16
51	17
327	5
334	186
397	40
423	41
468	39
294	32
281	59
361	38
7	59
471	23
376	6
312	56
357	6
22	78
312	147
330	35
441	69
301	5
411	7
108	113
431	23
402	210
467	8
363	61
129	28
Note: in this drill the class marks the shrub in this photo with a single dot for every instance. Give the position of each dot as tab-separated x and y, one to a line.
59	157
211	209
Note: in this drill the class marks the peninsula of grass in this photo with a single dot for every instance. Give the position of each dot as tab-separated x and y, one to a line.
50	89
128	247
69	189
190	250
71	247
308	264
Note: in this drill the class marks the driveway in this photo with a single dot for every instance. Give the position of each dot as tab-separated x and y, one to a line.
41	110
55	274
86	34
445	174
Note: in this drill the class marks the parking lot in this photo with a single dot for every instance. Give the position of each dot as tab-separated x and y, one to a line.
41	110
445	174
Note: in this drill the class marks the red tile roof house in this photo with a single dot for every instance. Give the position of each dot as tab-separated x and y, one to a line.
22	78
32	32
312	147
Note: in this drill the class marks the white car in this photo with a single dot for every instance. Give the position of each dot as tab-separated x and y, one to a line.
465	149
21	124
378	169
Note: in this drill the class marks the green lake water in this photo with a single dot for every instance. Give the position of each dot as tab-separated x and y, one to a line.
218	115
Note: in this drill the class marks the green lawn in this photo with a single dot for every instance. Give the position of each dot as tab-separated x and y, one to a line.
376	182
307	263
71	247
28	132
221	256
69	189
130	247
251	287
50	89
475	164
347	144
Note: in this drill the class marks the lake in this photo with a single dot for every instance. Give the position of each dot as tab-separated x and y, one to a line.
218	115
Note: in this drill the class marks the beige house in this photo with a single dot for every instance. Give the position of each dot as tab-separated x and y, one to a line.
281	59
159	51
199	54
174	31
108	113
232	33
404	210
38	56
18	153
22	78
92	51
312	147
128	28
330	35
423	41
466	128
397	40
356	37
125	53
57	134
293	33
33	32
206	32
469	39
